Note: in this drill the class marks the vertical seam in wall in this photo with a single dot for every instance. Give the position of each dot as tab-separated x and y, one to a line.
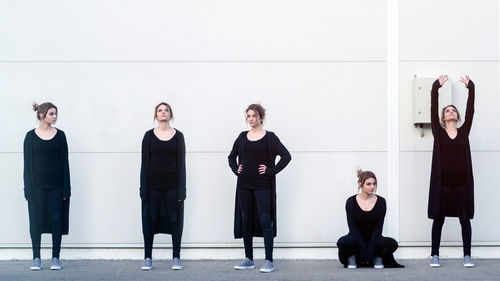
393	118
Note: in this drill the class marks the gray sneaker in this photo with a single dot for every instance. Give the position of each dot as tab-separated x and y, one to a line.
37	264
56	264
351	262
377	262
468	262
176	264
268	267
245	264
148	264
435	261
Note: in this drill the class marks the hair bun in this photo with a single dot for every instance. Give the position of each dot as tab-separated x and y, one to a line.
35	106
359	171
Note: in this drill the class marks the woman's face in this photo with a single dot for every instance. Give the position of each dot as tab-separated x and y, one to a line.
50	117
369	186
253	119
450	114
163	113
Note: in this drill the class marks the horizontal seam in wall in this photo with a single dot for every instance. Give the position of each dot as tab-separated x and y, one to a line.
192	61
493	61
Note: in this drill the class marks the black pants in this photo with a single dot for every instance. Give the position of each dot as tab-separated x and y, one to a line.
456	206
260	199
437	227
157	198
46	204
348	246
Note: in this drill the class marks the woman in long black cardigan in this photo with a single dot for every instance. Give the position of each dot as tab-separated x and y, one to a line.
255	206
364	245
163	185
46	183
451	191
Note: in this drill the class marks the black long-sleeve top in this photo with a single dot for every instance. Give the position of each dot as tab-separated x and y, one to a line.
163	163
439	133
48	168
253	154
365	227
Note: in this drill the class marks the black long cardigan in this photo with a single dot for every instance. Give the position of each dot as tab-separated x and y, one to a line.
434	206
367	251
275	148
30	182
163	225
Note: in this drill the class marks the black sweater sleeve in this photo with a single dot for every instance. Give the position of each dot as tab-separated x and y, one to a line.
285	156
181	156
435	125
143	189
233	164
28	187
65	166
469	112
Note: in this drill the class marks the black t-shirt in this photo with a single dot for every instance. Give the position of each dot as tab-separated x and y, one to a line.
453	163
163	163
252	155
367	221
47	170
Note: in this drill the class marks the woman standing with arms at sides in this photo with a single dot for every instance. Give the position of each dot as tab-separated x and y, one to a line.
451	192
255	210
163	185
46	182
365	245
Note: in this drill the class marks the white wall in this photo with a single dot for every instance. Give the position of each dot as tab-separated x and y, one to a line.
319	68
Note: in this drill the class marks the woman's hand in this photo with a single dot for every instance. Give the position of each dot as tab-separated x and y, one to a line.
442	79
465	80
262	169
240	168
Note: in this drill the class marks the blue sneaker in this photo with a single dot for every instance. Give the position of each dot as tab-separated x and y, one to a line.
435	261
56	264
176	264
351	262
245	264
268	267
37	264
147	265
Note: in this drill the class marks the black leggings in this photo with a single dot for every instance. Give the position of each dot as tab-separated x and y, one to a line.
348	246
454	200
157	197
437	227
249	199
46	204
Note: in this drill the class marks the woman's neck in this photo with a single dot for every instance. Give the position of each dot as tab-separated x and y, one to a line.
257	129
365	196
44	126
451	126
164	126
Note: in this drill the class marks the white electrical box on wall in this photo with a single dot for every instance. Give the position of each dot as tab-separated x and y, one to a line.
422	100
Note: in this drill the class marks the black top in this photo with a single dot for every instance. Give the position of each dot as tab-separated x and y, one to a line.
47	170
163	163
435	187
253	154
367	221
454	166
374	220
